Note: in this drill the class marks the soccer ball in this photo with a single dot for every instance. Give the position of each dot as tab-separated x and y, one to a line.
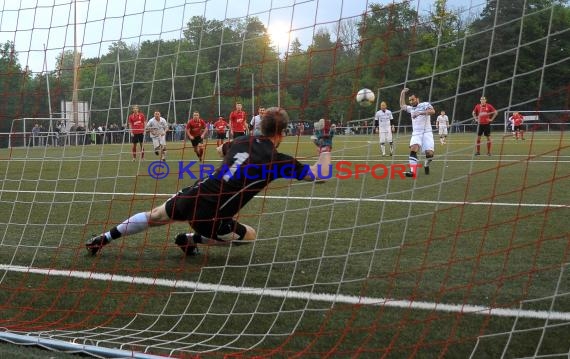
365	97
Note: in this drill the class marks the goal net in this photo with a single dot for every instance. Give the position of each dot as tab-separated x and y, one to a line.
470	260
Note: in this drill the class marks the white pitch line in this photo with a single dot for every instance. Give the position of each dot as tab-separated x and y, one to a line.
322	297
305	198
443	157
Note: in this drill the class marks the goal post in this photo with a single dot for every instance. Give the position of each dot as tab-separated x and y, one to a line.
35	132
41	132
542	120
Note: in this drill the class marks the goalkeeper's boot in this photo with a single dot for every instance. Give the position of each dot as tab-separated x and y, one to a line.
186	244
409	174
94	244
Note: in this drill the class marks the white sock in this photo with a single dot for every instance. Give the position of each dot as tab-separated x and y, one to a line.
135	224
383	149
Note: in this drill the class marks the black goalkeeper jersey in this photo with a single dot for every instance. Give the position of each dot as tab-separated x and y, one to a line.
249	165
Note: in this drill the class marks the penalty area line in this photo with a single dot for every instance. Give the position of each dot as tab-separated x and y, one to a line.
286	294
305	198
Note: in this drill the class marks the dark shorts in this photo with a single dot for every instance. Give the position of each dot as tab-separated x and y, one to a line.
518	128
137	138
196	141
221	136
484	130
187	205
238	134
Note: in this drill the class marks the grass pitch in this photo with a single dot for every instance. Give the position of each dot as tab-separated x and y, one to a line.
443	263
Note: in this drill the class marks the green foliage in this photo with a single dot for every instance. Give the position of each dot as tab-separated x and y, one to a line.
514	51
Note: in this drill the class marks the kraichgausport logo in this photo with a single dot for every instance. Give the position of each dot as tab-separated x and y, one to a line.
344	170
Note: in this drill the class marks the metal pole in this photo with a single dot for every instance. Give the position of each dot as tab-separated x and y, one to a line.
75	66
278	78
120	85
173	96
47	81
252	96
218	88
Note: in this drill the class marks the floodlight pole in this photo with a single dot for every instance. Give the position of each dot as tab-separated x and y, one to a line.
173	95
120	85
47	82
278	77
75	67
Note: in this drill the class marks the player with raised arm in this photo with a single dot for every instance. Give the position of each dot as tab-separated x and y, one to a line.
442	124
385	122
196	131
137	125
250	163
157	128
422	135
484	113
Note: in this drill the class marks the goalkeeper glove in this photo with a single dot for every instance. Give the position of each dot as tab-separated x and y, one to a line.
323	136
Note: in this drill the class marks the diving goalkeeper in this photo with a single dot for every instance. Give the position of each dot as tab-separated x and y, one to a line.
250	163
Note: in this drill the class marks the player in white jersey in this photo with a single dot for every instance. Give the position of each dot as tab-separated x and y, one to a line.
157	127
385	122
442	124
255	124
422	135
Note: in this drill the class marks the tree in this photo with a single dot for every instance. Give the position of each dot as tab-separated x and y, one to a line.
12	87
514	66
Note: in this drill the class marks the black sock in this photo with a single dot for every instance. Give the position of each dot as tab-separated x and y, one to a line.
196	238
115	233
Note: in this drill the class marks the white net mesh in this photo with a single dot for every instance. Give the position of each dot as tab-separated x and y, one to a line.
470	260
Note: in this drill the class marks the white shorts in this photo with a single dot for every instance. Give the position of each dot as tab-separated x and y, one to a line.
424	140
443	131
158	141
385	136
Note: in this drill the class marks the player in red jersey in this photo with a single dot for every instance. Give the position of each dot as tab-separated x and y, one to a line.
484	113
517	120
196	131
238	122
137	125
220	127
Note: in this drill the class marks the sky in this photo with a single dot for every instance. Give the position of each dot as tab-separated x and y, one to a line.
42	29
